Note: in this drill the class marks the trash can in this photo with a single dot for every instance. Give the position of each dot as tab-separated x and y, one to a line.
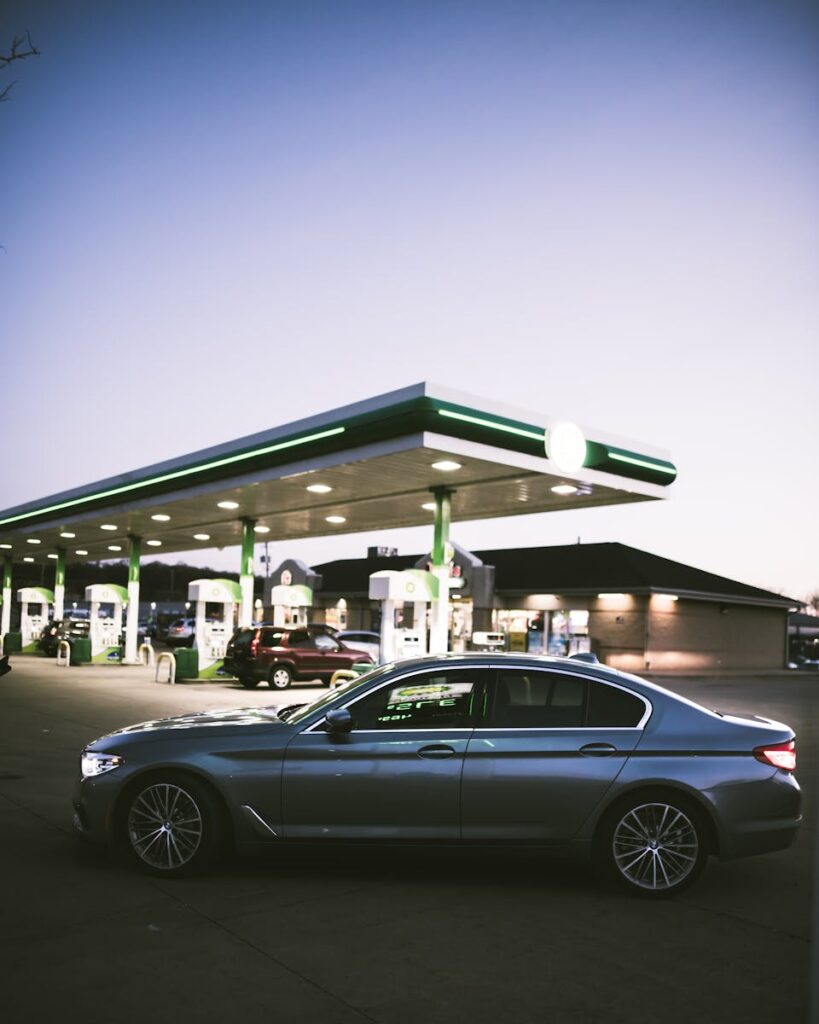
187	662
12	643
81	651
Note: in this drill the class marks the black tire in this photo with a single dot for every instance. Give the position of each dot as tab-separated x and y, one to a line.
652	844
280	677
248	683
171	825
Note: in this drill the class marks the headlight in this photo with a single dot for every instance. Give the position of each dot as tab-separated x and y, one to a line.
92	763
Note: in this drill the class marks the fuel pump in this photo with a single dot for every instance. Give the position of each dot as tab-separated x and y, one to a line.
105	619
393	587
211	635
291	604
33	615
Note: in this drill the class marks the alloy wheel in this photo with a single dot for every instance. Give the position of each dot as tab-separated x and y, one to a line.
655	846
165	827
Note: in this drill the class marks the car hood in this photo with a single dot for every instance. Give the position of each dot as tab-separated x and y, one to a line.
183	725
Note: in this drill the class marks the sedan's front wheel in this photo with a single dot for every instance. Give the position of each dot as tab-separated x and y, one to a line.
653	846
172	826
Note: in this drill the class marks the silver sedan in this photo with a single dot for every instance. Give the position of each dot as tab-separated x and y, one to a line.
475	749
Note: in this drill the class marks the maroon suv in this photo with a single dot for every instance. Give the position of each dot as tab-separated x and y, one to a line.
279	655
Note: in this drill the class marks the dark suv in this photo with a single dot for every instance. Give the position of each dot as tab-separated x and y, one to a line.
63	629
280	655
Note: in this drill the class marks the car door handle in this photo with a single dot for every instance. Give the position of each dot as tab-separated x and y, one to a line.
598	750
438	750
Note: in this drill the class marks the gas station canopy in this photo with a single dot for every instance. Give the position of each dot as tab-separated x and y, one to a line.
367	466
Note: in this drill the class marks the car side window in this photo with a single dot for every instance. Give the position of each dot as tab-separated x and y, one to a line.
271	638
526	699
300	638
325	642
438	700
611	707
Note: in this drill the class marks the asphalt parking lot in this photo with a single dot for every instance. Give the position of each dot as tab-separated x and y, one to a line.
380	937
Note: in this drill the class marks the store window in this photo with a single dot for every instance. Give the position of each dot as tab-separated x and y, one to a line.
435	701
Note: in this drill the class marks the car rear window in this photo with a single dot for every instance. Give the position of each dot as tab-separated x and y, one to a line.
241	641
614	708
271	637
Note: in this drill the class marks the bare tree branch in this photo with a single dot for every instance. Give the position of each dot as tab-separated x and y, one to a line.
16	53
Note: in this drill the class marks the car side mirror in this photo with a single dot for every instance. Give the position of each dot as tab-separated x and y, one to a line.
338	720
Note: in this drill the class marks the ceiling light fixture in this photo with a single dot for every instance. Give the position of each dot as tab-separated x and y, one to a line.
160	517
80	551
6	547
446	465
28	558
319	488
33	540
261	529
53	556
564	489
67	535
154	543
336	519
429	506
114	547
201	536
227	504
108	526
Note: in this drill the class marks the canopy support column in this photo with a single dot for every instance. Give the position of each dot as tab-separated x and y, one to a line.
246	576
5	616
132	620
59	585
441	557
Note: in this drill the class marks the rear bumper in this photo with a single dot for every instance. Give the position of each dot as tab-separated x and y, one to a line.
760	818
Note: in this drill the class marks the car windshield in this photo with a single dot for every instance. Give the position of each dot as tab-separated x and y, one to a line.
300	713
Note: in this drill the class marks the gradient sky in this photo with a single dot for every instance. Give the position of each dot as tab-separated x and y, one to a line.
220	217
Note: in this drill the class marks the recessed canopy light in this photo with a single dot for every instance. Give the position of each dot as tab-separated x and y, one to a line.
564	489
52	556
201	536
114	547
446	465
6	547
336	519
28	558
108	526
668	597
227	504
429	506
319	488
160	517
262	529
80	551
33	540
68	536
154	543
612	596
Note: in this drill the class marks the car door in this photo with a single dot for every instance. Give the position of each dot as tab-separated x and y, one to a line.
550	745
305	655
397	773
331	654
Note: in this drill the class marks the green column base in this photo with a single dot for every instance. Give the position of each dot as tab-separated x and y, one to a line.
81	651
12	643
187	663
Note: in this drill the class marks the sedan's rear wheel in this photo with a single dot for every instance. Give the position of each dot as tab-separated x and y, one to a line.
280	677
171	826
654	846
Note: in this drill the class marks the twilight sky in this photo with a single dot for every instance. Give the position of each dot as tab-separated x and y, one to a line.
220	217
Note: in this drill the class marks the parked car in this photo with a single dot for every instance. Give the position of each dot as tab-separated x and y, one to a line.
63	629
361	640
181	633
278	655
456	749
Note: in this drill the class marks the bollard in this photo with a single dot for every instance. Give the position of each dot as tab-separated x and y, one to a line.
341	676
64	653
166	656
150	658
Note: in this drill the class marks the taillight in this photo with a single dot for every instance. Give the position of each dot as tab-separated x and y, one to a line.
254	646
778	755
